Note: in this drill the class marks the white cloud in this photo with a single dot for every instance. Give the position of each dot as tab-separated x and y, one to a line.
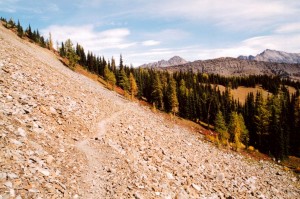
150	43
89	38
233	14
168	35
289	28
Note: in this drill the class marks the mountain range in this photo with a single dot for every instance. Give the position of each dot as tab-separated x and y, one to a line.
274	56
176	60
269	62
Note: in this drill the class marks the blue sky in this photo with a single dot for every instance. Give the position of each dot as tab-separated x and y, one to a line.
144	31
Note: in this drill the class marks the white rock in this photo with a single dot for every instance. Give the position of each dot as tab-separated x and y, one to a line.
16	142
197	187
12	193
130	127
8	184
75	196
18	197
182	194
2	176
33	190
9	98
50	159
170	176
12	175
53	111
45	172
21	132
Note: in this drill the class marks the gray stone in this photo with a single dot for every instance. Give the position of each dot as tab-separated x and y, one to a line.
220	176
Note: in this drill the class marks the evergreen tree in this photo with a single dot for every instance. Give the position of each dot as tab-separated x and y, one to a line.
29	32
11	23
133	86
244	138
71	54
20	31
275	127
124	81
182	99
237	129
121	63
62	50
249	111
172	96
109	77
261	120
157	94
221	128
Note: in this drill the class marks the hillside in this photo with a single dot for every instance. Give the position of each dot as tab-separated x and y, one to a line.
236	67
65	136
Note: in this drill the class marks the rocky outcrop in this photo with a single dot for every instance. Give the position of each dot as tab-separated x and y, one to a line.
236	67
176	60
64	136
274	56
278	57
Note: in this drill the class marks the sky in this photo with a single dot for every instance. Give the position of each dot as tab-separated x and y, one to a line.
145	31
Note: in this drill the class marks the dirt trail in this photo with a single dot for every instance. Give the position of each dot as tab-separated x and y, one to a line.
95	158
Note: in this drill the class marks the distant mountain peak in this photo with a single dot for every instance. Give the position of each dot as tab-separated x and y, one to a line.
173	61
276	56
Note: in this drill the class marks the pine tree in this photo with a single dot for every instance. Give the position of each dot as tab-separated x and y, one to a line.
29	32
182	99
237	129
133	86
121	63
109	77
20	31
172	95
244	138
261	119
124	81
157	94
249	111
11	23
62	50
221	128
71	54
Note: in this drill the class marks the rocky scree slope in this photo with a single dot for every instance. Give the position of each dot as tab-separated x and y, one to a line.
65	136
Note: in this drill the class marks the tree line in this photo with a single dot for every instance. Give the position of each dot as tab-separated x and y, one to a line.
272	124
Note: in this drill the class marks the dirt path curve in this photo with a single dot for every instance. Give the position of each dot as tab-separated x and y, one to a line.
95	157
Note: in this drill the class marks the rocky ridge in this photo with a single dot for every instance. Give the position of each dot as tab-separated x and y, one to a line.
176	60
228	66
64	136
274	56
